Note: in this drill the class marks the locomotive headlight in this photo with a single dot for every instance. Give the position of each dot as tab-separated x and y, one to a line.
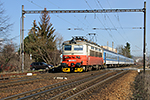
72	64
78	64
65	57
78	57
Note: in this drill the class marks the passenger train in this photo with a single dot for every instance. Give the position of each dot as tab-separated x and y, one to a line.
80	55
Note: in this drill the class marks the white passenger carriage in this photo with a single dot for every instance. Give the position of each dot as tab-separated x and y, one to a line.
113	59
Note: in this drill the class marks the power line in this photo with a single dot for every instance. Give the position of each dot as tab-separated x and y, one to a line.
110	19
88	4
126	27
53	3
105	28
66	20
118	21
102	23
35	4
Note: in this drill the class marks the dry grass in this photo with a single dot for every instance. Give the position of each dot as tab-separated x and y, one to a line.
141	87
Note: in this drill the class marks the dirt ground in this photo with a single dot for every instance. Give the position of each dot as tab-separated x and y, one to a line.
120	89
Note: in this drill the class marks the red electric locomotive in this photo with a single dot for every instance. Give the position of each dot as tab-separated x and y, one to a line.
81	55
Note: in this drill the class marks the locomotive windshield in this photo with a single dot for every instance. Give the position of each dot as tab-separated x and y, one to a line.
78	47
67	47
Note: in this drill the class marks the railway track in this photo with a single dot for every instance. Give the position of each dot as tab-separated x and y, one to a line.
55	85
79	92
28	80
70	89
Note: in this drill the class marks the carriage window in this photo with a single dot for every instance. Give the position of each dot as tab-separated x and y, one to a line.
78	47
92	53
100	50
96	48
92	47
67	47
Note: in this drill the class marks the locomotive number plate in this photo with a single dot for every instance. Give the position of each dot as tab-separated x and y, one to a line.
71	60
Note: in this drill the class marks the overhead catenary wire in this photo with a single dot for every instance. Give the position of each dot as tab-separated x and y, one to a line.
35	4
103	25
66	20
54	14
110	19
122	27
53	3
118	22
85	17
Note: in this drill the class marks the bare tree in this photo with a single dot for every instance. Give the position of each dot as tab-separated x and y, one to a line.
9	59
59	41
5	26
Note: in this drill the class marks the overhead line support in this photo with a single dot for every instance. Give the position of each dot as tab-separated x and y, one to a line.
83	11
144	48
87	11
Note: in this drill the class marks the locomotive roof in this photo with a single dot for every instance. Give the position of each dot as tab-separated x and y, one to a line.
80	39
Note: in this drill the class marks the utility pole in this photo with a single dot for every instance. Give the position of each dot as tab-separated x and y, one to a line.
22	38
20	44
144	50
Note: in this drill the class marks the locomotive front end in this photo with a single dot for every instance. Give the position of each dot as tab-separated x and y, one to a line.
72	63
73	57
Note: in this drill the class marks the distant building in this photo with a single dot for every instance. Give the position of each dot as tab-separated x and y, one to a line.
109	48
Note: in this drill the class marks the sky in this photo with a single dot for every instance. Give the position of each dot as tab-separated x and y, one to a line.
119	28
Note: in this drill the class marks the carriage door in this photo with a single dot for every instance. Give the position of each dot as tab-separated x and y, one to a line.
105	57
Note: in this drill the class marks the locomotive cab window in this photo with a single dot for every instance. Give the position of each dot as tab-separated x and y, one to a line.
78	47
67	47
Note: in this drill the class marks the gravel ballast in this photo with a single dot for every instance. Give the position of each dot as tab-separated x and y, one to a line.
119	89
